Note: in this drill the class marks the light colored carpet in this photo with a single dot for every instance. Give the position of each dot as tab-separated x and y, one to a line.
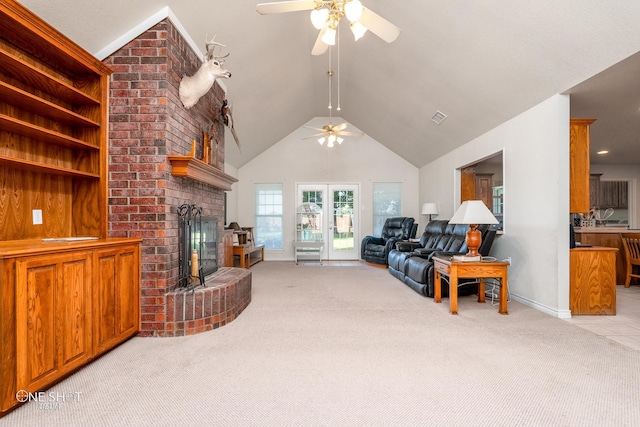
352	346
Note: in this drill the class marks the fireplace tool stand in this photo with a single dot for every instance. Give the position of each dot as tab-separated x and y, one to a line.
191	274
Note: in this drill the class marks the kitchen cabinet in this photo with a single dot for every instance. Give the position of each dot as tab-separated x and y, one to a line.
579	179
614	194
623	195
594	190
608	237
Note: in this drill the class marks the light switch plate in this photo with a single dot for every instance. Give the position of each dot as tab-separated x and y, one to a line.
37	216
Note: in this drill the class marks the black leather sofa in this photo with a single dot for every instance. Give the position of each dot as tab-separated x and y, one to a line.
411	262
376	249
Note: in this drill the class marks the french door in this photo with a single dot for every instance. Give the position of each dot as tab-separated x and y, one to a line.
339	204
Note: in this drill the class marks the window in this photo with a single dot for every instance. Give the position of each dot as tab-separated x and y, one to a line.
387	202
269	210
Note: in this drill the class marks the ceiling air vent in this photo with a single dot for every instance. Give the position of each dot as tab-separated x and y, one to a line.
438	117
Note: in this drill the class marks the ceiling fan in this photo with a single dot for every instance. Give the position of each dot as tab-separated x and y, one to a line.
326	14
332	133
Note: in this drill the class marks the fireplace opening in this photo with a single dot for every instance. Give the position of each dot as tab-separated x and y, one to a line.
205	241
198	240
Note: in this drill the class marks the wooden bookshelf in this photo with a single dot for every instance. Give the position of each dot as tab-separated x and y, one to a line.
68	293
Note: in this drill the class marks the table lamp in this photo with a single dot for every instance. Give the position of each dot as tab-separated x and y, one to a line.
429	209
473	212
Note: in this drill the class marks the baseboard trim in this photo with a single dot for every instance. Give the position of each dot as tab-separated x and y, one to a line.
560	314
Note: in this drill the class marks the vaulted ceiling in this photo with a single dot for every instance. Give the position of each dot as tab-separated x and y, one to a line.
479	62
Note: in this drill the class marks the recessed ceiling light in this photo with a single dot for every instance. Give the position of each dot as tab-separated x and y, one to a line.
438	117
603	152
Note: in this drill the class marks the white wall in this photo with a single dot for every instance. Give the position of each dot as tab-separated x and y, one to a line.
536	199
629	173
295	160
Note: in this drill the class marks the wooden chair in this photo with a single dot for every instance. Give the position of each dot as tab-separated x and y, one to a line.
631	243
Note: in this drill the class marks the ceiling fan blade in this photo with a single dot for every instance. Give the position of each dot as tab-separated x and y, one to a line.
347	133
340	126
285	6
320	47
379	26
314	136
312	128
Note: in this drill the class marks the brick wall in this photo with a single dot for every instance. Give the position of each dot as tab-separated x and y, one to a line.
147	122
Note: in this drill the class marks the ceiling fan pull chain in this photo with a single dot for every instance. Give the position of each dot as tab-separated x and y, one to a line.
338	109
330	74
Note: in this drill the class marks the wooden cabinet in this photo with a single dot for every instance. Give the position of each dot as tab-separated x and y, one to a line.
579	181
53	327
623	195
610	238
592	281
594	190
614	194
67	292
116	296
62	306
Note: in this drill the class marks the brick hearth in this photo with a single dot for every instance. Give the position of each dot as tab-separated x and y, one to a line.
147	123
227	293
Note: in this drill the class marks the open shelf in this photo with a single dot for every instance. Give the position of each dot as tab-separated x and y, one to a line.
43	167
20	127
37	105
39	79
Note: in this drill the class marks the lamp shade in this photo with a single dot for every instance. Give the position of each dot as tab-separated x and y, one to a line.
473	212
429	209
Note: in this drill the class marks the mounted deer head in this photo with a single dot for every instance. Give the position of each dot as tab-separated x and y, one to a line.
193	87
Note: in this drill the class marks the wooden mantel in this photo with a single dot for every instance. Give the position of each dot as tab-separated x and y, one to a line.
190	167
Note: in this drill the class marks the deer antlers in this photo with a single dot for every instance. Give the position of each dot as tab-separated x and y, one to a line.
211	47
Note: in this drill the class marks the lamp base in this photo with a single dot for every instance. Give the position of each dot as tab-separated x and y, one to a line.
466	258
474	240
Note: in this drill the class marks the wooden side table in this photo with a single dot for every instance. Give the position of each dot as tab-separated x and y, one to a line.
248	254
445	266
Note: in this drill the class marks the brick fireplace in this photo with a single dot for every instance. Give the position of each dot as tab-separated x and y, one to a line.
147	123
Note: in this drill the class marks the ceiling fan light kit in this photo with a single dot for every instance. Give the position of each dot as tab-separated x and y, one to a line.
326	15
319	17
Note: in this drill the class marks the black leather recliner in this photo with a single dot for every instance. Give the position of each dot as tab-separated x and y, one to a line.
376	249
412	262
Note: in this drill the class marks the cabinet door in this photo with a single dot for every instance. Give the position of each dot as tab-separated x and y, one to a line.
116	296
53	307
594	190
579	197
609	194
623	195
